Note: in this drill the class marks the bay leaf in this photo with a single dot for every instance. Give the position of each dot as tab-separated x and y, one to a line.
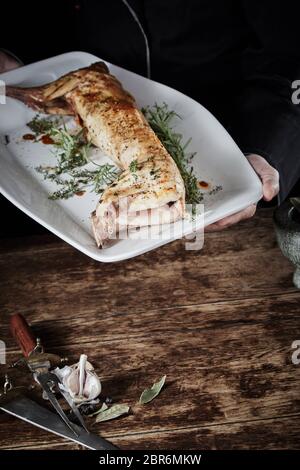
103	408
111	413
152	392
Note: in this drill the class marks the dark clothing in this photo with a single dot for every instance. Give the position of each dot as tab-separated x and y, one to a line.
237	58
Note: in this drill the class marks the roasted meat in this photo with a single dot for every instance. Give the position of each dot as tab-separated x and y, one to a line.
150	190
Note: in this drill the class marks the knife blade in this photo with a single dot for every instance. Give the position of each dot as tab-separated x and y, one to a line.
26	409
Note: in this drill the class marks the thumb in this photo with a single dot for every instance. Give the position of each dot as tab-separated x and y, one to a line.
269	176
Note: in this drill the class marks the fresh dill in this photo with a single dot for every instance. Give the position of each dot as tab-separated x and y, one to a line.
160	119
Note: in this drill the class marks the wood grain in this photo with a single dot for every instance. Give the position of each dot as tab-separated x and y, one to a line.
241	263
220	323
254	435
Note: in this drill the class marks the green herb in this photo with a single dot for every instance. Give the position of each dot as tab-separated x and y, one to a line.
152	392
103	408
71	149
160	119
39	125
99	179
133	166
79	180
215	190
111	413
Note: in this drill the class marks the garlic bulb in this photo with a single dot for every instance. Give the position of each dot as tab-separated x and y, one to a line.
80	381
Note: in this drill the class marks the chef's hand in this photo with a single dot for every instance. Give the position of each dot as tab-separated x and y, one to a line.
270	181
7	62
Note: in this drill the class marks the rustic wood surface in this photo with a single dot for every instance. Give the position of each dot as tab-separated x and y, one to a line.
219	322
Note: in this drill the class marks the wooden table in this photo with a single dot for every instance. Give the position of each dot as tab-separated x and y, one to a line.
219	322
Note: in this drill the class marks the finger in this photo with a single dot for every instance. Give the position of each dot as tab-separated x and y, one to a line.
270	186
213	228
268	175
259	163
232	219
242	215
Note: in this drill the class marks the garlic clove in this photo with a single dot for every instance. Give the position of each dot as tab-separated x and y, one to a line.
80	381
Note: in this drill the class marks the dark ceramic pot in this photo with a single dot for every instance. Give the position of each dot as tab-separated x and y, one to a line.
287	228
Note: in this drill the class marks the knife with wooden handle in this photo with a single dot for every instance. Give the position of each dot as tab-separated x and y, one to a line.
40	368
24	408
22	334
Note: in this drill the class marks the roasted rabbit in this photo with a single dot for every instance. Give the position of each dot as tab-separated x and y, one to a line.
150	190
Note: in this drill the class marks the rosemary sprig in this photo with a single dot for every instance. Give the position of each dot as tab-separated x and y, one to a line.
78	181
39	125
71	152
99	178
71	149
160	119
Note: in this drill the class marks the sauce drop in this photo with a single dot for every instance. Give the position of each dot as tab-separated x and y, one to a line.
203	184
29	137
46	139
80	193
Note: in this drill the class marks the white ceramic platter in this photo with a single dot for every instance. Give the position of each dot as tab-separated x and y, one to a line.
218	161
